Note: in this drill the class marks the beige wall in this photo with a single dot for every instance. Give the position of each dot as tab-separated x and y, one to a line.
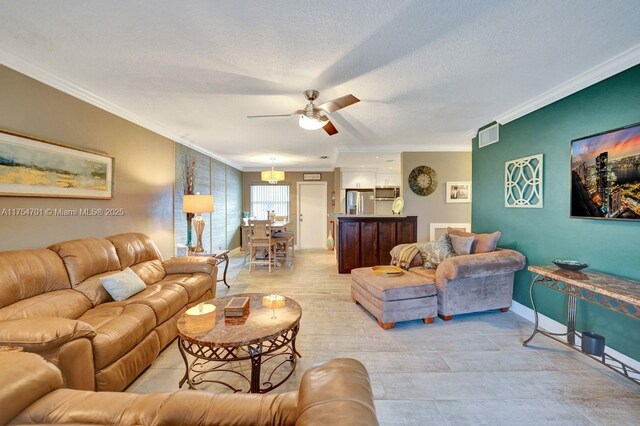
143	175
449	166
292	178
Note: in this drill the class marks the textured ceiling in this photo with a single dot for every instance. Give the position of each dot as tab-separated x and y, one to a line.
427	72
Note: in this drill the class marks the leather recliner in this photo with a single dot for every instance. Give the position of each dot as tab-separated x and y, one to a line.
336	393
53	303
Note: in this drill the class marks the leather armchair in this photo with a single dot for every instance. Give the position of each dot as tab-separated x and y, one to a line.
338	392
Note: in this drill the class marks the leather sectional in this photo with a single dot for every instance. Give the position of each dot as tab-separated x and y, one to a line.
52	303
336	393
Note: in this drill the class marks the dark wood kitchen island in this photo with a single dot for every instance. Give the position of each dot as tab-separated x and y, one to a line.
366	240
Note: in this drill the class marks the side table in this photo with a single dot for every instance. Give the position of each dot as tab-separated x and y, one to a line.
221	256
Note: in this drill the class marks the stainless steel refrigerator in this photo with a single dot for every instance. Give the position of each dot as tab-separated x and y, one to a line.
360	201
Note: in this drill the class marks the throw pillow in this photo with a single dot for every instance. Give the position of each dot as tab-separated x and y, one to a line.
434	252
484	243
461	245
403	254
122	285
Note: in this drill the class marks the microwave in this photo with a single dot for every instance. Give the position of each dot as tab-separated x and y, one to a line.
387	194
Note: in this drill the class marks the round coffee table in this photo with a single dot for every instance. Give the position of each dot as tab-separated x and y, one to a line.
215	342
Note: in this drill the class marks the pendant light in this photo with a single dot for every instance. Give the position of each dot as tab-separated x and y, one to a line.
272	176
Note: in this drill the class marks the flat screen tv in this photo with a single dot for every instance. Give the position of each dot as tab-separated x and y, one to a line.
605	175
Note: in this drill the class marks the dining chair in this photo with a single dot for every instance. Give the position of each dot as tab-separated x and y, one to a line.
284	238
260	238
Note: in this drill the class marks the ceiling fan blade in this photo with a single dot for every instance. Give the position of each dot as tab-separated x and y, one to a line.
330	128
339	103
277	115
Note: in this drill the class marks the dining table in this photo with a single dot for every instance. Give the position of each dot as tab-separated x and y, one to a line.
276	225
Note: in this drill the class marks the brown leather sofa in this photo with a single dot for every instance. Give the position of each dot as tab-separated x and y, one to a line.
336	393
52	303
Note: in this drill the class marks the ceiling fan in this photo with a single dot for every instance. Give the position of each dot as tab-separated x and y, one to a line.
313	117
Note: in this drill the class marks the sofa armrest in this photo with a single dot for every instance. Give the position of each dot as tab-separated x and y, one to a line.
24	378
42	334
190	265
336	393
501	261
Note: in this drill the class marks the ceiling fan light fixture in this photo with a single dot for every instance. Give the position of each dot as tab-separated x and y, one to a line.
311	123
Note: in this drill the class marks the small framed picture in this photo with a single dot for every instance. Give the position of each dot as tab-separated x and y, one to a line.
458	192
312	176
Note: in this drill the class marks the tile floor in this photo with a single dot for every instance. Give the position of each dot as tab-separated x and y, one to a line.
472	370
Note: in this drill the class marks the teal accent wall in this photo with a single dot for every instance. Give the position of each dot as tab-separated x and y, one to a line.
549	233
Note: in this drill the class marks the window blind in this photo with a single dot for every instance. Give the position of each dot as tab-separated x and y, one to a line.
269	197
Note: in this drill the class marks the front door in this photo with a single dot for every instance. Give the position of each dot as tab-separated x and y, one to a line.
312	214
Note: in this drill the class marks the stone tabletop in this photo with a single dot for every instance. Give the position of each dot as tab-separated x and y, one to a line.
597	282
215	330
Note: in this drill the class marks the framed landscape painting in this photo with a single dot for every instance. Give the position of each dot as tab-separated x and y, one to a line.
31	167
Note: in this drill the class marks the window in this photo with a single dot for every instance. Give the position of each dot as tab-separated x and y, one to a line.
269	197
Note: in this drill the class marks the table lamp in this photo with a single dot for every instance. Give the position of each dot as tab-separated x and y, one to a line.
198	204
273	301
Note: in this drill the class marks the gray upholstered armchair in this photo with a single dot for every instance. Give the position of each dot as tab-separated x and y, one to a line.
473	282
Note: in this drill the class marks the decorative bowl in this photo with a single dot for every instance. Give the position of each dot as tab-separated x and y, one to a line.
570	265
387	271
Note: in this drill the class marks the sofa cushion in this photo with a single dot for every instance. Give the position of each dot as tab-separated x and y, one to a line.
406	286
429	274
195	284
134	248
434	252
119	328
165	299
483	243
87	257
28	273
122	285
461	245
150	271
61	303
93	289
137	251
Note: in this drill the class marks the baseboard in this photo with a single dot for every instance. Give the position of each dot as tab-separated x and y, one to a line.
554	326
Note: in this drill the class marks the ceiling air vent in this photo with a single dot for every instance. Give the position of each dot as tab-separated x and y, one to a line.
488	136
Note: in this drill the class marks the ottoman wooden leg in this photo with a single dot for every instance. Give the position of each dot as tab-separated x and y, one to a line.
504	309
428	320
386	325
445	317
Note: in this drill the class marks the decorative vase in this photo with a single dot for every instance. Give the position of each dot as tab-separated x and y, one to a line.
330	241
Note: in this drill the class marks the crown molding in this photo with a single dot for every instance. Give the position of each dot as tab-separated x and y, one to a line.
406	148
292	169
608	68
57	82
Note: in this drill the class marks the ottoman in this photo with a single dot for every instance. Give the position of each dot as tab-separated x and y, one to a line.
391	299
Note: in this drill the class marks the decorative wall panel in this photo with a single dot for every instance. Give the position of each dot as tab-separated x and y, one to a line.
523	182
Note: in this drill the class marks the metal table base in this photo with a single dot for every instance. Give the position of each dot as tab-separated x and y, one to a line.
575	293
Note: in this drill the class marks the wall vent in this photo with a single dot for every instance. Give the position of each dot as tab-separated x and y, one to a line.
488	136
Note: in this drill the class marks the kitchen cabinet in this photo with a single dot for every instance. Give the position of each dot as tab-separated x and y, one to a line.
387	179
356	180
367	240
